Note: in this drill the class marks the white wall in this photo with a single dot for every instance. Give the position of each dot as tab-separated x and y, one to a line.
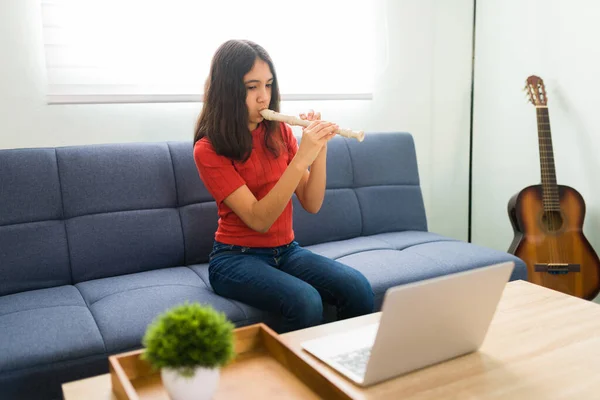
423	88
558	41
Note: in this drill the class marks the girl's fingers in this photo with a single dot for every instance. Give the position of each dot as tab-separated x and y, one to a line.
327	131
319	129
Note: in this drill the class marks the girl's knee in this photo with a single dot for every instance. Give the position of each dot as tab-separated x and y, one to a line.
363	296
304	309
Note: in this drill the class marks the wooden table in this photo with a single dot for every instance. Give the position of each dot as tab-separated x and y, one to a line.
542	344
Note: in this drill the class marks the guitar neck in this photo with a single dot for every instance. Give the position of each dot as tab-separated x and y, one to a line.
549	185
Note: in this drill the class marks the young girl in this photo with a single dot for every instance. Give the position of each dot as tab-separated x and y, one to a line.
252	167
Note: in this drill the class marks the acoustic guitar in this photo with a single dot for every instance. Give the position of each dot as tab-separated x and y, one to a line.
547	221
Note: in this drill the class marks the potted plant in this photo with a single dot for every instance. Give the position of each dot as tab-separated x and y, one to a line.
189	343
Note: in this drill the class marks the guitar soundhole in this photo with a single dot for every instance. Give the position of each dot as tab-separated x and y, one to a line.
552	220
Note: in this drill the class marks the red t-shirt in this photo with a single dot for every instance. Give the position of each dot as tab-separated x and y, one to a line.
260	173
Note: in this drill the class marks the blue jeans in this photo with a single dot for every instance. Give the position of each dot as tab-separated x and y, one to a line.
289	281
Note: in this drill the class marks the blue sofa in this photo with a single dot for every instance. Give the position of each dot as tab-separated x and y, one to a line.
97	240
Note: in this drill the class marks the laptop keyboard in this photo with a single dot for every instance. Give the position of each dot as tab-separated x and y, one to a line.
355	360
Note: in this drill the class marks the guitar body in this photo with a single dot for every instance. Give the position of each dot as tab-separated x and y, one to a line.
554	240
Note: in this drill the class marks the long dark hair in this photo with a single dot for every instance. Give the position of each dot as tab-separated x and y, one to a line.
224	116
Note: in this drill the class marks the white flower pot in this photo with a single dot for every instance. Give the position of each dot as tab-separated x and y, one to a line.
201	386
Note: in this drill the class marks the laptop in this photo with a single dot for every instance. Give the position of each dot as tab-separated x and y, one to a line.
421	324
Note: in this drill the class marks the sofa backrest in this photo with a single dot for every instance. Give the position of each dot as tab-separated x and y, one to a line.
372	187
33	242
72	214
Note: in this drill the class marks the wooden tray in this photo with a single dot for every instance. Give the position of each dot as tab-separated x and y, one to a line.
263	368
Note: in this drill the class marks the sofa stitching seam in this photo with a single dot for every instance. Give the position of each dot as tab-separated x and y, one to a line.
362	224
177	202
145	287
41	308
394	249
416	244
64	223
364	251
171	208
240	308
93	317
201	278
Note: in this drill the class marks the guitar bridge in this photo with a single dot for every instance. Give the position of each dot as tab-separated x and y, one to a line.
557	268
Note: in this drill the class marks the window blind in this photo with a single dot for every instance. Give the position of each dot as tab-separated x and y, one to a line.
160	50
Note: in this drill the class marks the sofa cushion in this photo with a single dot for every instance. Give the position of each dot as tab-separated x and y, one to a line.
461	256
190	189
397	258
198	210
30	186
199	223
384	159
382	212
340	216
402	240
382	241
338	219
389	268
33	256
363	191
46	326
116	177
33	242
120	206
124	306
119	243
386	181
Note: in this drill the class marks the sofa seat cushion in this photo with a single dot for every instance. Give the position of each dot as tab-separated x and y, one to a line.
45	326
397	258
381	241
124	306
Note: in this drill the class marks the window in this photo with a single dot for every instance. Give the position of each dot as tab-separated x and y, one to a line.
160	50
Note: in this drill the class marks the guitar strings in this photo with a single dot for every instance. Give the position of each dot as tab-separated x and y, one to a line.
550	200
546	197
554	195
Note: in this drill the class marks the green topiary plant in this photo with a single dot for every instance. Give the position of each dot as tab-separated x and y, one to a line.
189	336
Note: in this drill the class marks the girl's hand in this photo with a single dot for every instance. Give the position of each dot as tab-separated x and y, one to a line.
312	116
314	138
